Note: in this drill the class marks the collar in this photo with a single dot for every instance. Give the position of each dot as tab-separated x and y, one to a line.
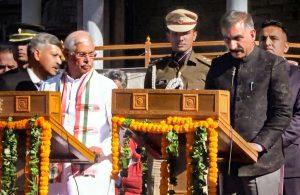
252	55
193	58
70	79
34	78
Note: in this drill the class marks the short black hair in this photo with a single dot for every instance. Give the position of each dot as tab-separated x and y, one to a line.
276	23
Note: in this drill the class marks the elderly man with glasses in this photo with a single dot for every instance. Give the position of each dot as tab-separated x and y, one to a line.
86	108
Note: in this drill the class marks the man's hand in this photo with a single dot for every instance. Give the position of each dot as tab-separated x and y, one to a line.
97	150
256	147
293	62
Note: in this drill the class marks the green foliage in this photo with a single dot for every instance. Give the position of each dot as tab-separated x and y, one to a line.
127	122
10	157
144	159
35	142
172	151
125	154
199	161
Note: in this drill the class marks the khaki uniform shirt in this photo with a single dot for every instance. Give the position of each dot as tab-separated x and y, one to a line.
193	72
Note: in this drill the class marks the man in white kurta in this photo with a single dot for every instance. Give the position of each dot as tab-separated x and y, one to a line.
86	109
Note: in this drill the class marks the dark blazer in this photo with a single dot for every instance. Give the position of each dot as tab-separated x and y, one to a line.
16	80
291	136
260	104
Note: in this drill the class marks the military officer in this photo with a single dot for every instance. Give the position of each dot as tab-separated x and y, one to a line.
184	69
20	35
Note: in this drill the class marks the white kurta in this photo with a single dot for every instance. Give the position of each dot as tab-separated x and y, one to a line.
93	179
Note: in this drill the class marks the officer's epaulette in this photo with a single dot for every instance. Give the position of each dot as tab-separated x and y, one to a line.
203	59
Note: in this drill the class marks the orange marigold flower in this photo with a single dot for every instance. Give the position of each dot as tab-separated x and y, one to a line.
115	119
10	125
212	179
40	121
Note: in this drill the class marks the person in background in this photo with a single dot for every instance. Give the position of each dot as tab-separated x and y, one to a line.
7	61
260	104
273	38
45	58
184	69
118	76
86	108
20	35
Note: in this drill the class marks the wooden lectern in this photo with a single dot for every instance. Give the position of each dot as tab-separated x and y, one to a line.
199	104
26	104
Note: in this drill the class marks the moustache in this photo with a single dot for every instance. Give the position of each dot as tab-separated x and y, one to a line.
236	50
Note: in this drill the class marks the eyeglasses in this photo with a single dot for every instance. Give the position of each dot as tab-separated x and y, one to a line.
83	54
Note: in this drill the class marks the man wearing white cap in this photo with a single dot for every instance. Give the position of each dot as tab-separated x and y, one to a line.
184	69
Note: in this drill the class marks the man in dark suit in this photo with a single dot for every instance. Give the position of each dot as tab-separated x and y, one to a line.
259	107
273	38
44	55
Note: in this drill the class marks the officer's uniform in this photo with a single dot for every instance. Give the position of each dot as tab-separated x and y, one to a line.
192	72
187	73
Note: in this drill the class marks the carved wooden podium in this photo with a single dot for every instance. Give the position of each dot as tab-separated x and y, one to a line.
24	105
20	105
199	104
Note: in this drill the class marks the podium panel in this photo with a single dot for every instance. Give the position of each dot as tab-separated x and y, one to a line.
157	104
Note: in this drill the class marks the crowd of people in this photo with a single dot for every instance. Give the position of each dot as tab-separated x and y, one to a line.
264	103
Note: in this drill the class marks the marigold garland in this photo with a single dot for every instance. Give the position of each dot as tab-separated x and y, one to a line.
213	165
115	148
44	155
179	125
44	150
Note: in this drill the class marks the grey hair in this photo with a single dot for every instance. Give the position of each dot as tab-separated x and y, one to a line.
41	40
117	75
233	17
76	38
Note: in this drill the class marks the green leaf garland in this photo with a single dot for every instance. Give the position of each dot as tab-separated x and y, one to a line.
172	151
35	142
199	161
10	157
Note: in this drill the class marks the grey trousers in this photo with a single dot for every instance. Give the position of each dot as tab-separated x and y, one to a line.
292	186
269	184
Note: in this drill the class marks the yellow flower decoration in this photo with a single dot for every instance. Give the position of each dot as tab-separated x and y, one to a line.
180	125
